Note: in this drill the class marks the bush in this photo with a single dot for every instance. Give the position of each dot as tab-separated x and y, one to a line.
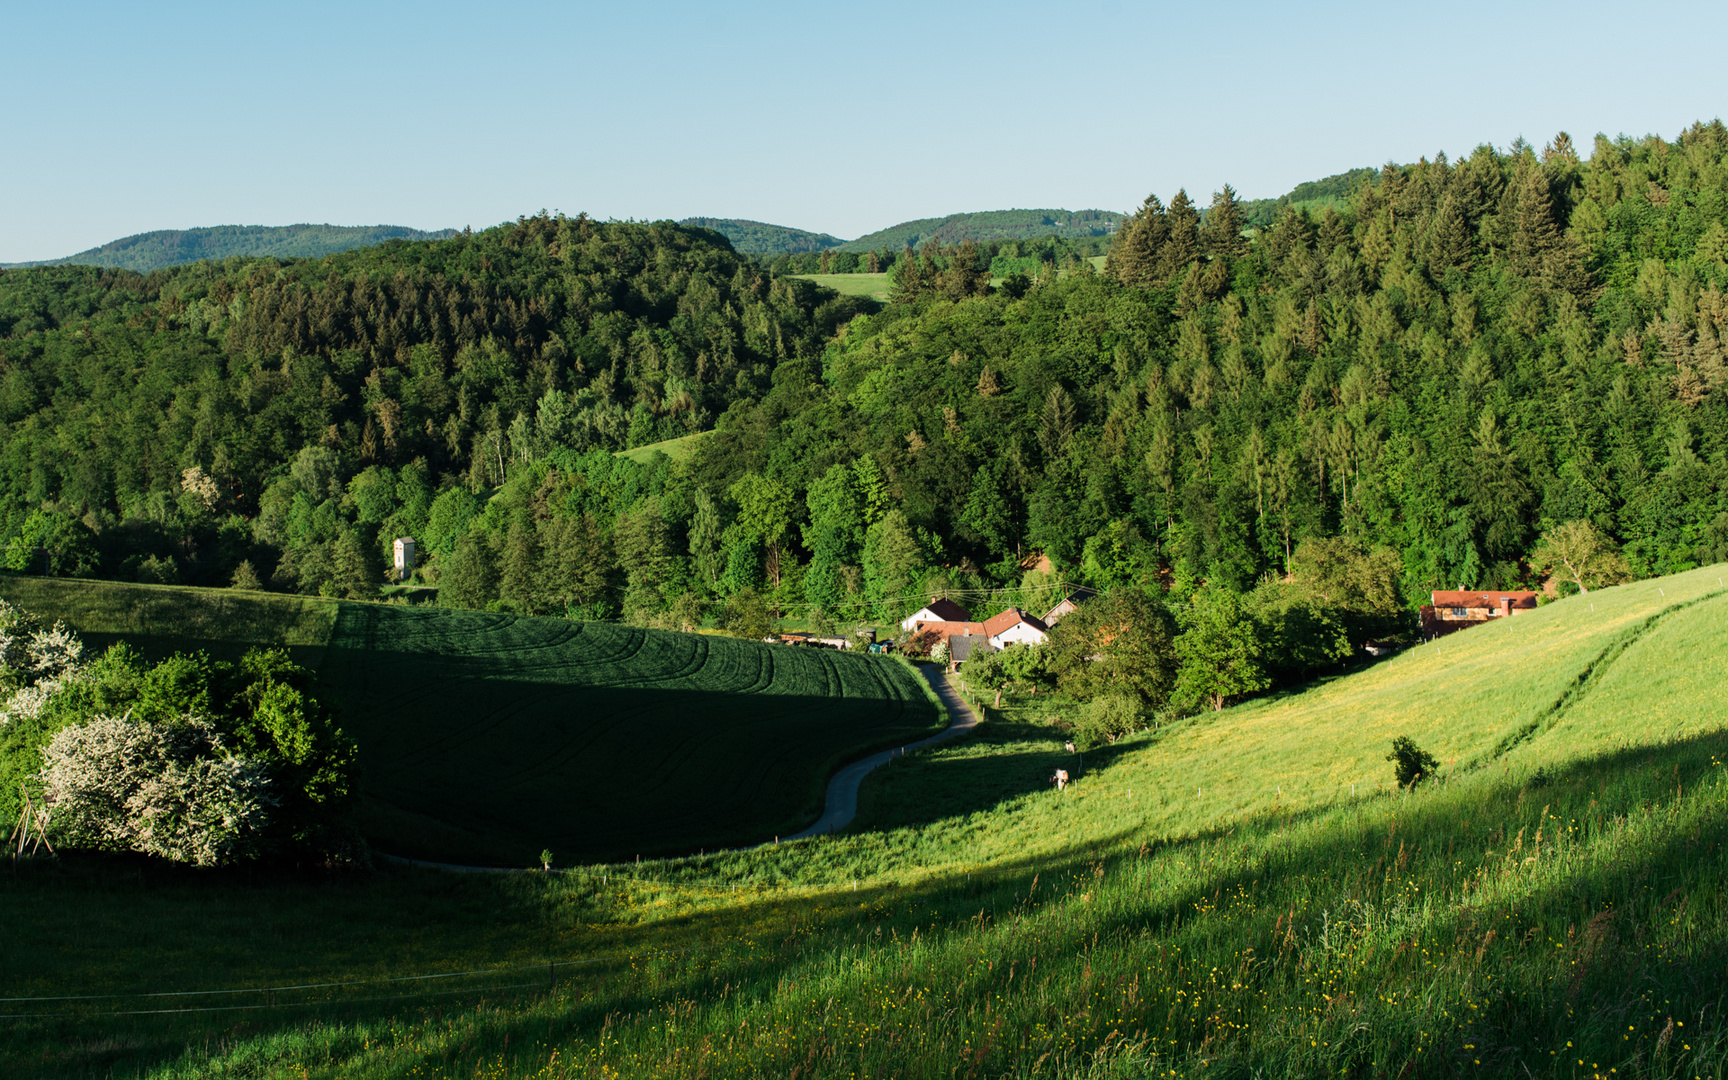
1411	763
170	790
1106	719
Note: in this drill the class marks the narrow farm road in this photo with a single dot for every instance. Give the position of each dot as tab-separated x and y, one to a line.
841	805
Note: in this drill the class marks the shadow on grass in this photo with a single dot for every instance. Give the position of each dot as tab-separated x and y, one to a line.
1607	905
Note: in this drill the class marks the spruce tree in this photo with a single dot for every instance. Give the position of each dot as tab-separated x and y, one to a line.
1224	239
1183	246
353	573
519	580
1134	256
1534	233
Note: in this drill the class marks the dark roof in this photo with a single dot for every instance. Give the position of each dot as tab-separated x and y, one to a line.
947	610
960	646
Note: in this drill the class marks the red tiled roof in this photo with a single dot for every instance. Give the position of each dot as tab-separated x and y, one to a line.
1468	598
995	624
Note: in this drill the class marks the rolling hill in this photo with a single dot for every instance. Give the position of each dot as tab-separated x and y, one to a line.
1211	899
989	225
760	238
171	247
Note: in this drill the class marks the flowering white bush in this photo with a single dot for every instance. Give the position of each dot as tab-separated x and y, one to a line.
161	789
16	626
54	651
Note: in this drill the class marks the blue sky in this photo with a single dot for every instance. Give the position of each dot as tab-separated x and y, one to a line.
122	118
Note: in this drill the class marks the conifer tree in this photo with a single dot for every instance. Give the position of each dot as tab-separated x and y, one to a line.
1224	239
1534	233
1134	257
1183	246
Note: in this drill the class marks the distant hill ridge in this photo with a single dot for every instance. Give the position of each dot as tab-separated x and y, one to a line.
987	225
760	238
172	247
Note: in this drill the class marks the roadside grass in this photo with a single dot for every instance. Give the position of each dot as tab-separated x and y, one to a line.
678	449
486	738
1208	899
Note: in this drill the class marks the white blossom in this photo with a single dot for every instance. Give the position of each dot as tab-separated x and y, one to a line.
54	651
162	789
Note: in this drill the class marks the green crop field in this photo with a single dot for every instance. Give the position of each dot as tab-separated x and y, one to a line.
1211	899
678	449
875	286
486	738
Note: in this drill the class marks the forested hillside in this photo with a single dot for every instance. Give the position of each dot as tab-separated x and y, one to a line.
171	247
1419	383
759	238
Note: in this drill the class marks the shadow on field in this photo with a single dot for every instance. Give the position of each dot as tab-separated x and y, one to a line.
487	738
1116	888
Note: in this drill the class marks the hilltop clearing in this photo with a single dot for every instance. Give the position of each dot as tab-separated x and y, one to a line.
1555	908
173	247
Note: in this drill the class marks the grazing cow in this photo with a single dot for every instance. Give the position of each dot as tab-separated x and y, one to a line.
1059	778
1068	746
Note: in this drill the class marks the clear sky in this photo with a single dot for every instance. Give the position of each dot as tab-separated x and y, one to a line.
119	118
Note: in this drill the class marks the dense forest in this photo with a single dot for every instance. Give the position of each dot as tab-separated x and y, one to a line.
171	247
1004	257
1413	387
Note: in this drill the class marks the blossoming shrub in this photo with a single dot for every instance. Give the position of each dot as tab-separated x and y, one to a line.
169	789
243	752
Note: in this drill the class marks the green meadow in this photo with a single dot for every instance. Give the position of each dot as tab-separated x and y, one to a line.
678	449
875	286
1239	894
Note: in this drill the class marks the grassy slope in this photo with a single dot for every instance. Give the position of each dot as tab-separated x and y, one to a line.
1557	910
162	619
677	449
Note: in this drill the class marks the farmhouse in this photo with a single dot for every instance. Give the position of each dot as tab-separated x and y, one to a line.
943	610
1067	605
1015	626
1458	609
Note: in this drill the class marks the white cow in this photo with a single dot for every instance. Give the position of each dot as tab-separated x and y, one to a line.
1059	778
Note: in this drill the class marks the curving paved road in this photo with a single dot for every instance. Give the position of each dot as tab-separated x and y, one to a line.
841	805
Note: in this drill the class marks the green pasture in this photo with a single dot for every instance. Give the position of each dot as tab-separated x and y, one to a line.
875	286
678	449
1209	899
